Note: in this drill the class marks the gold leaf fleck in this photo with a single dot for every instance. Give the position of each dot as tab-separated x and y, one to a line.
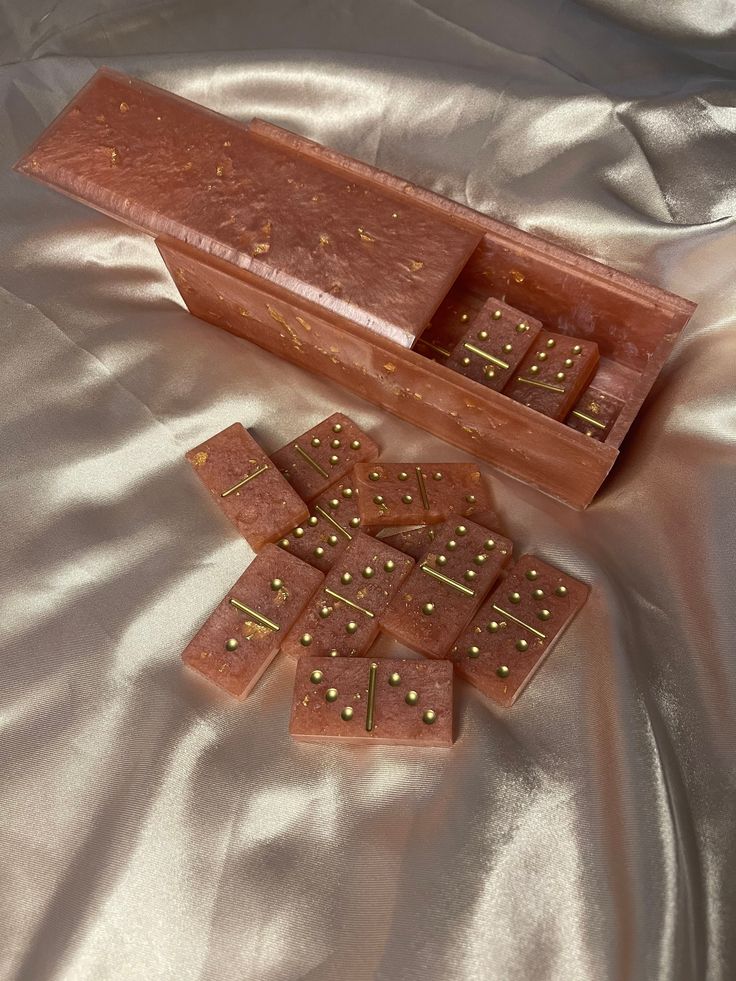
390	367
114	157
124	107
199	459
219	170
365	236
275	315
416	265
324	239
304	323
260	247
253	630
517	276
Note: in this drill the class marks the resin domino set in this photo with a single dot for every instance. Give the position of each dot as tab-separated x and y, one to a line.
323	586
516	350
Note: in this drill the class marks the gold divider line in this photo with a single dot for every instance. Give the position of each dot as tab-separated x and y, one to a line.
446	579
505	613
371	697
245	480
344	599
254	615
594	422
422	488
310	460
435	347
328	517
484	354
550	388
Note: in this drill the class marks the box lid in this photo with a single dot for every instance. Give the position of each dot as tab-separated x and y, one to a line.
169	166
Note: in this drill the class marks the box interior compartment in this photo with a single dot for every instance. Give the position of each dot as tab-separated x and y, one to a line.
633	323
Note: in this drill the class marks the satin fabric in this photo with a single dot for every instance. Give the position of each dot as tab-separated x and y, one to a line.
152	829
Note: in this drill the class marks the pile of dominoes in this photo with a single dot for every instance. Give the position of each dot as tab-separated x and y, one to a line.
348	547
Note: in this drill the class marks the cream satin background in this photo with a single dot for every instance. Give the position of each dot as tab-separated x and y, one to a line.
152	830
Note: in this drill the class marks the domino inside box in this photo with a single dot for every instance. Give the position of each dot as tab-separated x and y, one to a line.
358	275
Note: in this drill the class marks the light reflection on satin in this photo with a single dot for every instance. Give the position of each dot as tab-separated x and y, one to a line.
153	829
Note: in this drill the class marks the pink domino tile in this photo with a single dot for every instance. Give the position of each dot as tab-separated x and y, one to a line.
245	631
506	642
332	524
495	344
395	494
446	587
382	701
595	413
323	455
247	486
343	618
553	374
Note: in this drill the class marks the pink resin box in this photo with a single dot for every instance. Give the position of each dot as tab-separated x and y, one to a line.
341	268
